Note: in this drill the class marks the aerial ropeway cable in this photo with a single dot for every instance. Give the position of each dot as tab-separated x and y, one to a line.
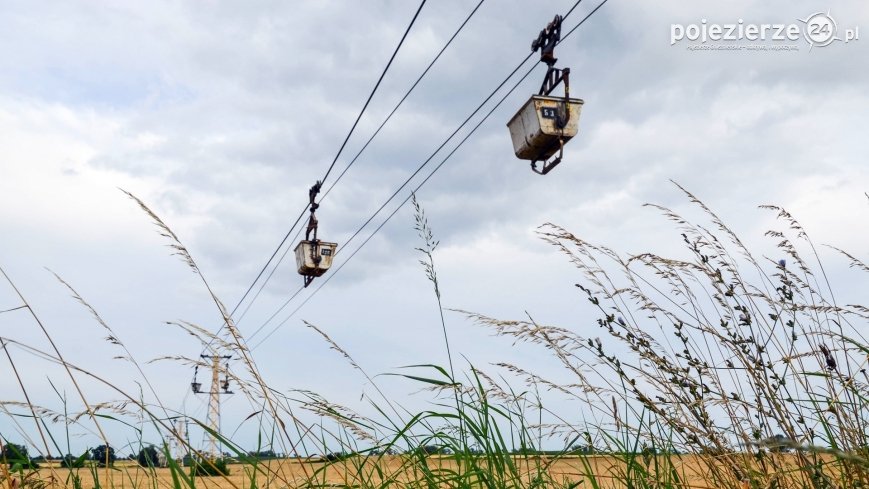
568	112
329	170
344	171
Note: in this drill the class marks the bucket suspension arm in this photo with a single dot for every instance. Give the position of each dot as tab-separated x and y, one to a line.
546	41
553	77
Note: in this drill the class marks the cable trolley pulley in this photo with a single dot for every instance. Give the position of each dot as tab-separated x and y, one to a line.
545	123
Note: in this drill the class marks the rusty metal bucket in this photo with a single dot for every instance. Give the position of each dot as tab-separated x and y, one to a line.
305	253
534	129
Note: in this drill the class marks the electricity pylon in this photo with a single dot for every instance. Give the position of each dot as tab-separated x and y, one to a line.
180	444
218	387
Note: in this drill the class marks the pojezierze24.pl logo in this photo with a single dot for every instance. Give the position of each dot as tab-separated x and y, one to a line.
818	30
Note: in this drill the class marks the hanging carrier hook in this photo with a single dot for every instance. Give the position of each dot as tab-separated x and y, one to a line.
312	228
312	221
225	384
313	256
546	41
195	385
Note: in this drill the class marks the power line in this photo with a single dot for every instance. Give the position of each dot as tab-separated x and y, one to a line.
395	211
465	122
296	293
433	61
376	86
269	277
391	197
264	268
329	170
425	180
403	185
359	153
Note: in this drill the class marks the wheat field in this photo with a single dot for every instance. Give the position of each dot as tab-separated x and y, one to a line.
568	471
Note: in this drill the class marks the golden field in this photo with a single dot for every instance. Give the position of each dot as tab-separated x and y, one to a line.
609	472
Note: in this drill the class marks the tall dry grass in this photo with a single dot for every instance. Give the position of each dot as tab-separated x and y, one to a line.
726	355
746	365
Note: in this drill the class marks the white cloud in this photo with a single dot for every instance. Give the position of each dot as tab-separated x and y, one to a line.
220	117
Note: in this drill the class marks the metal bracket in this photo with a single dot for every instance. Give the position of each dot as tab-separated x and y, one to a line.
315	250
548	166
553	77
312	227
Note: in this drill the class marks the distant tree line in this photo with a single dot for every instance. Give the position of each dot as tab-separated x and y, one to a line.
263	454
16	457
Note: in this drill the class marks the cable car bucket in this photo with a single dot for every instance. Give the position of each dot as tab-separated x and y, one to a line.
313	257
545	123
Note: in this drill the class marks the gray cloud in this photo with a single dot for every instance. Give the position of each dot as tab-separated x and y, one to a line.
222	116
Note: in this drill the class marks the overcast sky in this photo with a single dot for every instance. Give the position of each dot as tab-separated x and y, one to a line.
220	115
